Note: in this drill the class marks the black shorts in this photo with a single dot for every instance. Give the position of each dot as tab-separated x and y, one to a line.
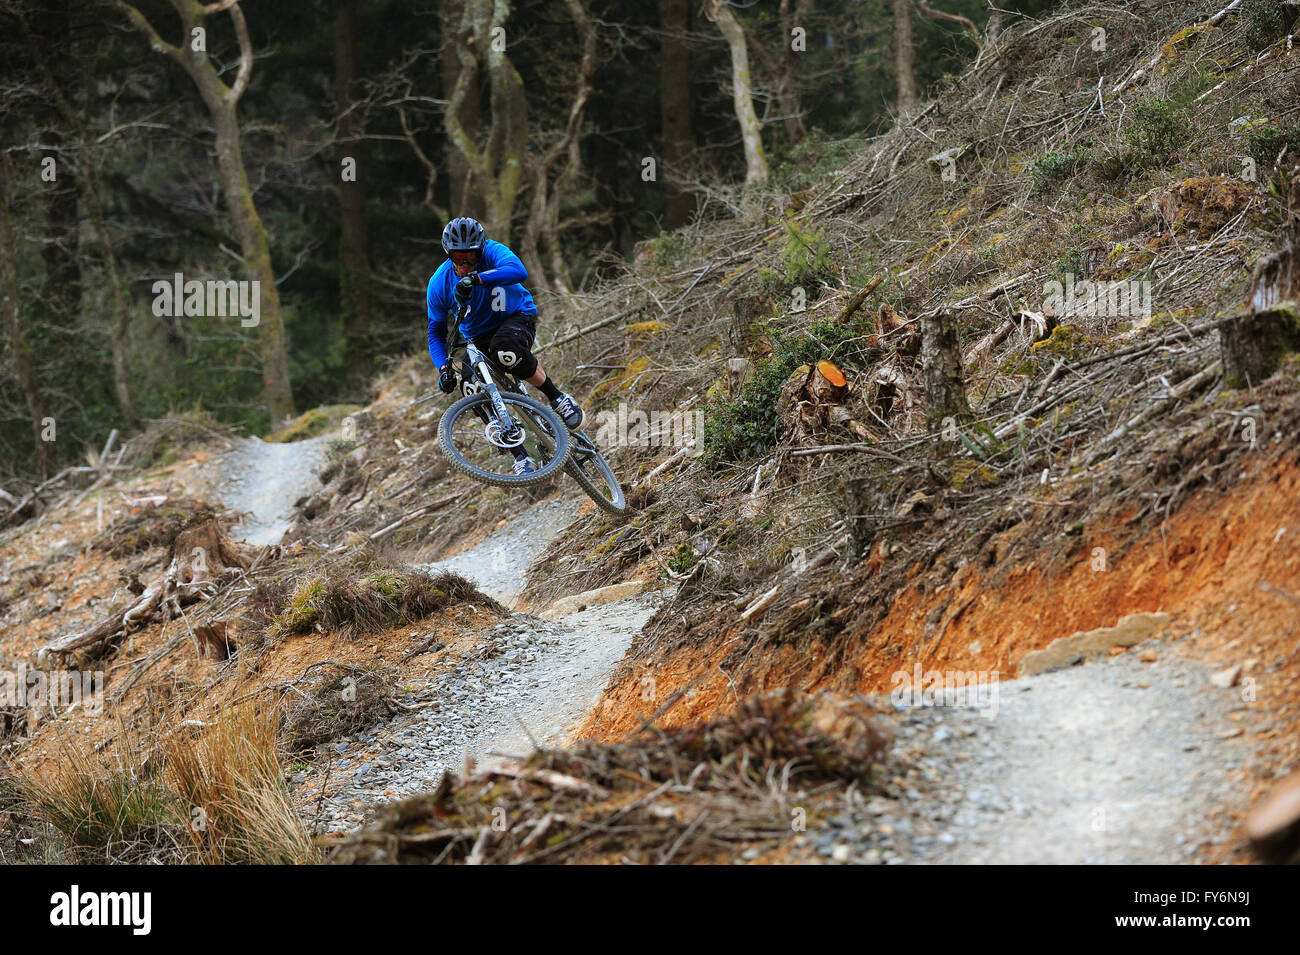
508	347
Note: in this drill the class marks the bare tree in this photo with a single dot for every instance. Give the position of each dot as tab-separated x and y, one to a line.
496	165
751	130
19	351
221	101
904	57
354	258
675	107
781	62
87	179
464	200
543	218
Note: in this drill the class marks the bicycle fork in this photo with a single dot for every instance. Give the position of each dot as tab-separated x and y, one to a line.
507	425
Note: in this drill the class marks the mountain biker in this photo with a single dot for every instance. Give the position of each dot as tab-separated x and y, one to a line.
501	322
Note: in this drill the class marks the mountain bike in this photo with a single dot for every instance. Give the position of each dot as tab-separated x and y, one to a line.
478	432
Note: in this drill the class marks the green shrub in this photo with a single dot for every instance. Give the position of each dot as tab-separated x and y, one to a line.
1156	129
354	605
100	806
806	255
735	430
1266	143
1048	170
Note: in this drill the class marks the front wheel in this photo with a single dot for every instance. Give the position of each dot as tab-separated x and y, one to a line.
476	448
589	469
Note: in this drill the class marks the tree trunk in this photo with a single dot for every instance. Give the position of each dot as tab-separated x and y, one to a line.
354	260
256	251
20	353
904	57
945	384
788	87
543	218
993	29
675	109
496	167
222	101
1253	345
751	131
464	200
87	179
62	288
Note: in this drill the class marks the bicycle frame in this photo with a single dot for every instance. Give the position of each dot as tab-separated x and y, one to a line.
478	361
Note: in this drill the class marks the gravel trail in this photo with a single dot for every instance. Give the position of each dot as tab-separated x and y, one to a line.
1115	761
263	479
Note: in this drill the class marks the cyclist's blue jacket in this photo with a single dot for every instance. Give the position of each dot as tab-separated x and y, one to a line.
501	294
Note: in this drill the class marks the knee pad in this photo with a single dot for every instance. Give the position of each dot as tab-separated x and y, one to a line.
468	385
510	349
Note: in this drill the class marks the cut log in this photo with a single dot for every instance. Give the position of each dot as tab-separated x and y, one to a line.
1254	344
828	384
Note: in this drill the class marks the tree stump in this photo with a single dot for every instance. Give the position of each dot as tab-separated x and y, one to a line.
214	640
945	384
811	404
202	559
1254	344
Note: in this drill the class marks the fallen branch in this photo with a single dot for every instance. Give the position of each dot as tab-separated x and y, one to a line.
856	446
1175	394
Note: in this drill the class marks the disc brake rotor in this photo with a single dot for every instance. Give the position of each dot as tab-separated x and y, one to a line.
499	439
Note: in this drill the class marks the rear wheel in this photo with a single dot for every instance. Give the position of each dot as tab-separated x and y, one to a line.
479	450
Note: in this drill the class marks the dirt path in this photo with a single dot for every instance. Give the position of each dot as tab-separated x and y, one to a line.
529	680
499	563
1113	762
263	479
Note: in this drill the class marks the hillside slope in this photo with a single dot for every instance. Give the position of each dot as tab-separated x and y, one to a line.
1093	459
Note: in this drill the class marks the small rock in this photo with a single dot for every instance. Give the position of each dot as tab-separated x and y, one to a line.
1147	656
1226	678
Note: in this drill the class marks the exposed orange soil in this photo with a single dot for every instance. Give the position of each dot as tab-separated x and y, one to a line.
1205	566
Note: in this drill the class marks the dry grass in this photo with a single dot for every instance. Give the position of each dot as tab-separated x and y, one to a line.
229	778
343	703
99	807
219	798
352	604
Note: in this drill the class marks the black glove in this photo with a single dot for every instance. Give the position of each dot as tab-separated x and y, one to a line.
447	379
465	286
